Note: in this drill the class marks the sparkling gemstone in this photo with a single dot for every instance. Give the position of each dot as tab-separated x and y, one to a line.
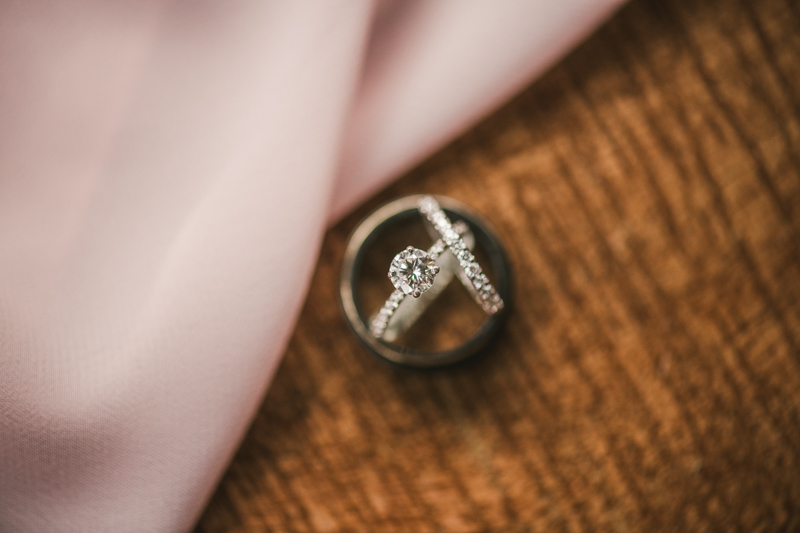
412	271
473	270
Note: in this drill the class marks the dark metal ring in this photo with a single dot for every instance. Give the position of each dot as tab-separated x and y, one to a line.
364	237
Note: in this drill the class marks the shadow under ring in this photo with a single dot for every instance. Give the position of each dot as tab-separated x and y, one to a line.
365	236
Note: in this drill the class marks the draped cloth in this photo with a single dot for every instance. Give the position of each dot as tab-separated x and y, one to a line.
167	170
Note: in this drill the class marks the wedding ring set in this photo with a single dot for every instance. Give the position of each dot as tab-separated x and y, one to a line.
420	275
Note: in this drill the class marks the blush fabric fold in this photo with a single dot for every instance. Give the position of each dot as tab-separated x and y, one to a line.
167	171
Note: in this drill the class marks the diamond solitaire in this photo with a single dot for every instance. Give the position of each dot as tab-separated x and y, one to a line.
413	271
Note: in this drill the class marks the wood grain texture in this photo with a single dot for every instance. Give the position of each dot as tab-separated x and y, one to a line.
648	189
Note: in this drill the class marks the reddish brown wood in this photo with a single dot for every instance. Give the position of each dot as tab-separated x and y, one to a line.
648	188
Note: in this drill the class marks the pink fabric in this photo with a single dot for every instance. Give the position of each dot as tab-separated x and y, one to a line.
167	170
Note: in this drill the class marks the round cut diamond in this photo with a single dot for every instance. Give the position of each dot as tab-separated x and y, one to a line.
412	271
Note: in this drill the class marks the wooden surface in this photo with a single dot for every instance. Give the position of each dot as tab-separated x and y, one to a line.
648	188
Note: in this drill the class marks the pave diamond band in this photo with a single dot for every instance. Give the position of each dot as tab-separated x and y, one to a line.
470	273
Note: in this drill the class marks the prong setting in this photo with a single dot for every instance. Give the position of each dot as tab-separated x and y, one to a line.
413	271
